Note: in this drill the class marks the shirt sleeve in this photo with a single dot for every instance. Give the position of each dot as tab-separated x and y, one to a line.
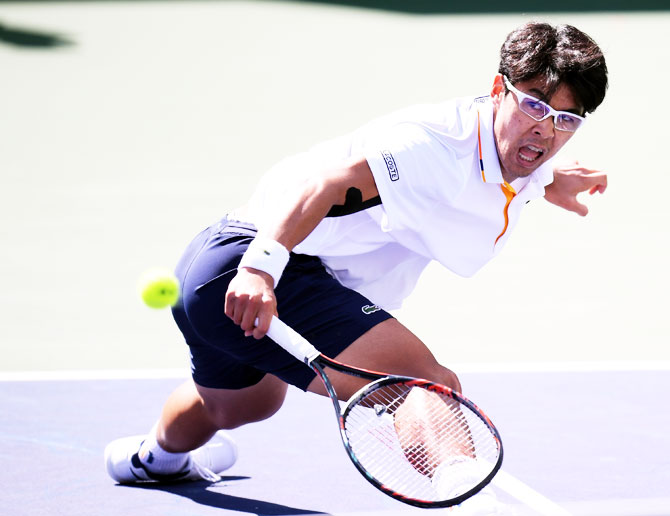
414	172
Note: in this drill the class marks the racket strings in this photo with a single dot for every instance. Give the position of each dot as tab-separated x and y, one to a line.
424	436
420	443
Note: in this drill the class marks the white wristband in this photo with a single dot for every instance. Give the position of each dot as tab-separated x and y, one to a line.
266	255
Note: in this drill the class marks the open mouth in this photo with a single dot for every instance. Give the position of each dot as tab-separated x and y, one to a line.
530	153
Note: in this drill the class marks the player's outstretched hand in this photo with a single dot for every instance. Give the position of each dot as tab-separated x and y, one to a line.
570	181
251	299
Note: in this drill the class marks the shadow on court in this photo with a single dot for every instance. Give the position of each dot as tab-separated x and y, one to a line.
198	493
454	7
31	38
495	6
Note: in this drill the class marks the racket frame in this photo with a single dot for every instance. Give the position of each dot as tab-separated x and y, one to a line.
379	380
304	351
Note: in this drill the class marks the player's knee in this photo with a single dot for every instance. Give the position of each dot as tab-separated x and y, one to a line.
227	412
449	378
227	417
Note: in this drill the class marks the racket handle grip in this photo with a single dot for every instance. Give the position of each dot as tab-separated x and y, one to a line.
292	341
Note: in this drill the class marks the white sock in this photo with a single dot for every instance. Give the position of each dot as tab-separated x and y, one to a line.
156	459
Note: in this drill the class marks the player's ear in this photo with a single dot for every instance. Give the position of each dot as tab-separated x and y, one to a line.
498	85
498	90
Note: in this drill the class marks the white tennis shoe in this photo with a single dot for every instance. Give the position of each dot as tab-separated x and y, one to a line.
205	463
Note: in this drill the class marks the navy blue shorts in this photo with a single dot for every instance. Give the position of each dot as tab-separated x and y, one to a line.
309	300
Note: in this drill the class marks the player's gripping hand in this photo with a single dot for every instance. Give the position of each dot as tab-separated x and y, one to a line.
570	181
251	297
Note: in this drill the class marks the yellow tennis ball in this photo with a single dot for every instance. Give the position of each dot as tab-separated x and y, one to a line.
159	288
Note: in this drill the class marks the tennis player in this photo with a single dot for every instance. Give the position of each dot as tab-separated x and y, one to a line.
335	237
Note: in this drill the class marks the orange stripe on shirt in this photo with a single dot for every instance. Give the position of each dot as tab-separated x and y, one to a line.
510	193
506	188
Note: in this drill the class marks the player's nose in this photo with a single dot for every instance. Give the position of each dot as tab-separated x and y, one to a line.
545	128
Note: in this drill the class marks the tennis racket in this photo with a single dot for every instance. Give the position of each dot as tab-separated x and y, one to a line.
417	441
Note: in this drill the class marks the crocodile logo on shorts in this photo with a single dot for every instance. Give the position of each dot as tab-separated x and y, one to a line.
370	309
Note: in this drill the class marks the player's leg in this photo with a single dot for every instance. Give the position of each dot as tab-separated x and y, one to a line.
224	392
393	349
389	347
186	442
193	413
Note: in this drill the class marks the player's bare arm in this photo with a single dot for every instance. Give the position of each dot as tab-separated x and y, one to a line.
250	300
570	181
316	196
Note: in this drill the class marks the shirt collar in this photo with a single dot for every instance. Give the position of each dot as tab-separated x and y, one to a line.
489	163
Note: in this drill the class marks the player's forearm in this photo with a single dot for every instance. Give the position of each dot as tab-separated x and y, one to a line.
281	231
292	220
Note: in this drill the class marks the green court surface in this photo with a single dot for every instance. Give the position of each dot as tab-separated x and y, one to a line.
146	121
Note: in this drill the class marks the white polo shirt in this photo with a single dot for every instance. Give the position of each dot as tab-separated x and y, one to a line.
440	201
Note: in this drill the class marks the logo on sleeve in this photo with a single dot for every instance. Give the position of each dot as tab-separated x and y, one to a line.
370	309
390	165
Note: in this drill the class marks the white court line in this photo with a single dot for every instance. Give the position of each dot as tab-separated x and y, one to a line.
511	367
528	496
383	512
92	374
563	367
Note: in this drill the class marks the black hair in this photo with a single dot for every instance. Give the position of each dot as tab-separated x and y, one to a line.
557	55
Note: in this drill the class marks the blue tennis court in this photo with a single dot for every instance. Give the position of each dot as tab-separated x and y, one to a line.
581	443
127	127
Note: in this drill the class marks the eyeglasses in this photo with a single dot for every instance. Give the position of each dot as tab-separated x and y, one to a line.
538	110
